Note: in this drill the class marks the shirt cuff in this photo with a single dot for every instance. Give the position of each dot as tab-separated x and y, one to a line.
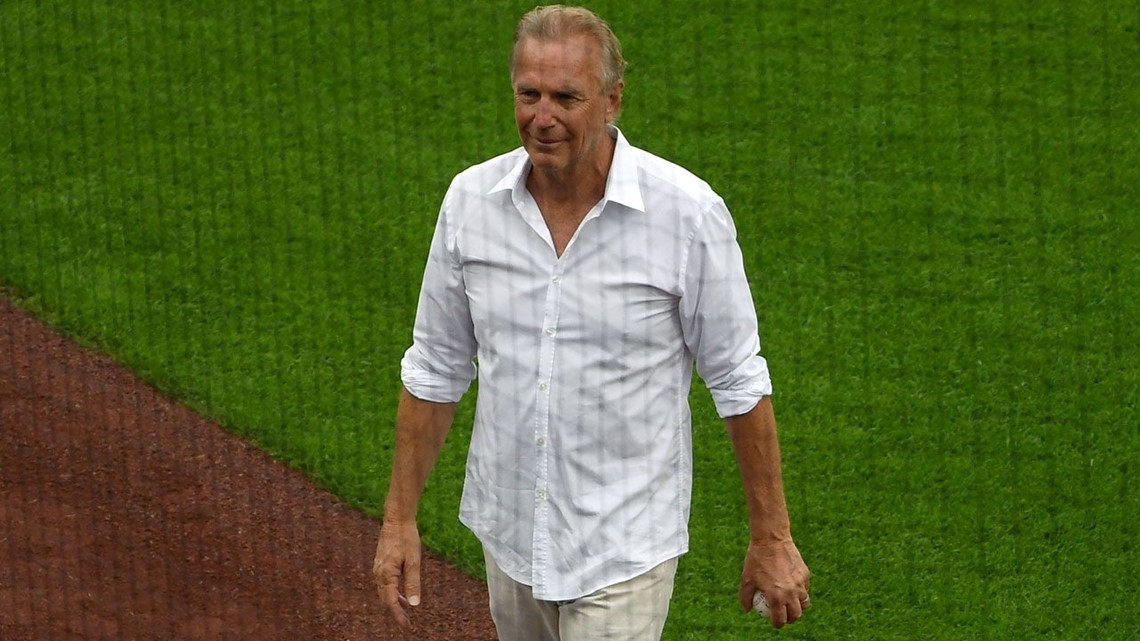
433	386
747	392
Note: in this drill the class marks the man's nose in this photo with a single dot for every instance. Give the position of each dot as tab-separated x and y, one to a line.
544	113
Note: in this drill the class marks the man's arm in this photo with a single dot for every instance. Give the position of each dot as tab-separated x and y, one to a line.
421	427
773	564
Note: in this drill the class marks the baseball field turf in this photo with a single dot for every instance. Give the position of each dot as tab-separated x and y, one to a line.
937	204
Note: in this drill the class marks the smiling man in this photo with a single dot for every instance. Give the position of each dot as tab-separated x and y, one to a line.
586	277
564	104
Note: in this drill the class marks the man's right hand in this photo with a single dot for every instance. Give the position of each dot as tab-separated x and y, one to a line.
397	569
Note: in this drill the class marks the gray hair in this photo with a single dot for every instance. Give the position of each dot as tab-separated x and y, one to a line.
558	22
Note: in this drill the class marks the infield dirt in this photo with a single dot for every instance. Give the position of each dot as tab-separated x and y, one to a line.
124	515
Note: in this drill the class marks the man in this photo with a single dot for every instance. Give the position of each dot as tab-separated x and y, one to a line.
585	276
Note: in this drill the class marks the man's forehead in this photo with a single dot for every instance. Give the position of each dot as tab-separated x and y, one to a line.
577	41
569	59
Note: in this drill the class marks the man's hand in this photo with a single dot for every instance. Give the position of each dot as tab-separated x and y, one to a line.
778	571
397	569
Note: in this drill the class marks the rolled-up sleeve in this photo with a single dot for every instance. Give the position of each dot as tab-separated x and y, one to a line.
439	366
718	316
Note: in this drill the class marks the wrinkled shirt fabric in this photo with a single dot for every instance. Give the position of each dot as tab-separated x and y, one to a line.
579	472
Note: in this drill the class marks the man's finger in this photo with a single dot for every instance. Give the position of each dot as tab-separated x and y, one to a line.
747	591
795	610
778	615
394	601
412	581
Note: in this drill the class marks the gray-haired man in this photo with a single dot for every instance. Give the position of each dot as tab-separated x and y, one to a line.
586	277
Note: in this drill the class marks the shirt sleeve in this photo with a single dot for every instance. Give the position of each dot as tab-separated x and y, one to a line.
439	366
718	317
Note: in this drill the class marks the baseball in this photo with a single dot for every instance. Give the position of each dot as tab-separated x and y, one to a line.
760	604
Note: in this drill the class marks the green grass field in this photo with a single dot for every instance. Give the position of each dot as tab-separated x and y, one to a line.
937	202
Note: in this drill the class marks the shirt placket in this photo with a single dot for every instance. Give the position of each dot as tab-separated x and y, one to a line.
545	387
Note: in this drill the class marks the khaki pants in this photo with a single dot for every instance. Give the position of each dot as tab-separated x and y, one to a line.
632	610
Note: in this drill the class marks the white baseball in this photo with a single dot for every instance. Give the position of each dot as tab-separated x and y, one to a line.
760	604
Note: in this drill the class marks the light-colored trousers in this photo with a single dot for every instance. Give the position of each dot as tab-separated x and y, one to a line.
633	610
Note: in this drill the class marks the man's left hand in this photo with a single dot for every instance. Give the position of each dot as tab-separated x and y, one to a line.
776	570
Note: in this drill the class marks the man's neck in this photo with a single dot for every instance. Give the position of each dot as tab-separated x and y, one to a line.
584	185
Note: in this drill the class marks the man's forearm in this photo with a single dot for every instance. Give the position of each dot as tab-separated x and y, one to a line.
758	454
421	427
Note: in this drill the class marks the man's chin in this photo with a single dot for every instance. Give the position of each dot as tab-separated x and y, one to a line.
545	161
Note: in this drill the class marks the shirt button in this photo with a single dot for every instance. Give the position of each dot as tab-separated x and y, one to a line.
555	278
541	442
542	386
550	332
541	495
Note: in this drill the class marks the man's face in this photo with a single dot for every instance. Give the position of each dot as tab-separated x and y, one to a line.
560	109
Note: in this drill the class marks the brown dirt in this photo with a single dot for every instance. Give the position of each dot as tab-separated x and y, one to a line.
124	515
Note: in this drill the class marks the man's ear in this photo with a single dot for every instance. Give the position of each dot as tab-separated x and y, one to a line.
613	108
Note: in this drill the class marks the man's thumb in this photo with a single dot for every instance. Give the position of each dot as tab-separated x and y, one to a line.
412	583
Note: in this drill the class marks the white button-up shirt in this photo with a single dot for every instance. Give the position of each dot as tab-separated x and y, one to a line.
580	469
